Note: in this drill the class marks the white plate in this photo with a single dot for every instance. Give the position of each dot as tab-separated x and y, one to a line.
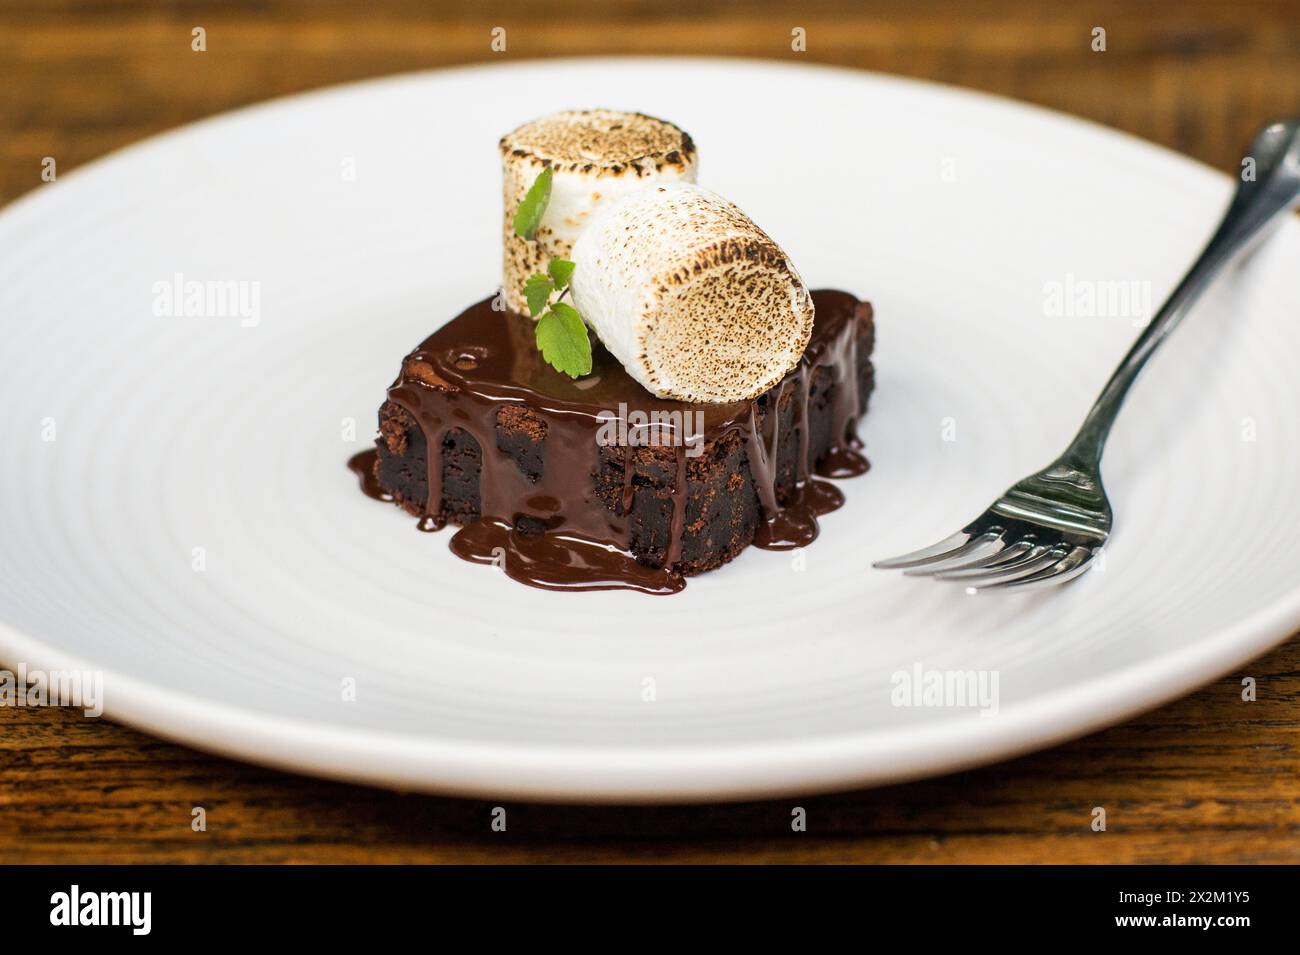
951	211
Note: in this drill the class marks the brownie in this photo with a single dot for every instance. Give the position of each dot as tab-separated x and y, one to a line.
722	508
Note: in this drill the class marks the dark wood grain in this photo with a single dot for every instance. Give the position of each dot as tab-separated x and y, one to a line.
1208	779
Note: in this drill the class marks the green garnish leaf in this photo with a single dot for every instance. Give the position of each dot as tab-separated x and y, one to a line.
529	214
560	332
563	342
537	290
561	270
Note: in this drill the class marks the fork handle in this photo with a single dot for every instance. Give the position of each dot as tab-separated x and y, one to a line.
1259	201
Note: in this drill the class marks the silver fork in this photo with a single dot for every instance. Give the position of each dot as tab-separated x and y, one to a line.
1050	527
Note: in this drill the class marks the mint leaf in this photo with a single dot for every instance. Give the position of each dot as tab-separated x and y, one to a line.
537	290
560	332
529	214
563	342
561	270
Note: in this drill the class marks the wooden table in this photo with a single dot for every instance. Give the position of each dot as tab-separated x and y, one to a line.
1208	779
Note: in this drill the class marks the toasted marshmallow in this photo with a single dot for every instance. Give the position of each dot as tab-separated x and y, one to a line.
690	295
596	157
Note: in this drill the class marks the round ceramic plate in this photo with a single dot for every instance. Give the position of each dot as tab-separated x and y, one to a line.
177	512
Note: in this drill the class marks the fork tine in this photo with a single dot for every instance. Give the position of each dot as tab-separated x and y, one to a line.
1003	555
1038	557
940	551
1067	568
986	545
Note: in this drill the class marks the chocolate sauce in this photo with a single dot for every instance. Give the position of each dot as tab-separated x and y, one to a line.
552	561
463	375
363	466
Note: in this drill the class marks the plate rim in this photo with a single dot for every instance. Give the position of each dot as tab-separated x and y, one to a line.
675	773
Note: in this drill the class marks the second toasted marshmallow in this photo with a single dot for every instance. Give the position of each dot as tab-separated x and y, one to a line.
695	300
596	157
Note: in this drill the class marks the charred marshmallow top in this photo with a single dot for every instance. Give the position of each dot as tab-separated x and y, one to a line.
694	299
596	157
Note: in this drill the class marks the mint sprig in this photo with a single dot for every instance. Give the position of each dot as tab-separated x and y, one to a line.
560	331
561	270
562	339
528	217
537	290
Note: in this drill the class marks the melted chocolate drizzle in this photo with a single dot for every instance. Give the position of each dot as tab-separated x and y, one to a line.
362	465
464	374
